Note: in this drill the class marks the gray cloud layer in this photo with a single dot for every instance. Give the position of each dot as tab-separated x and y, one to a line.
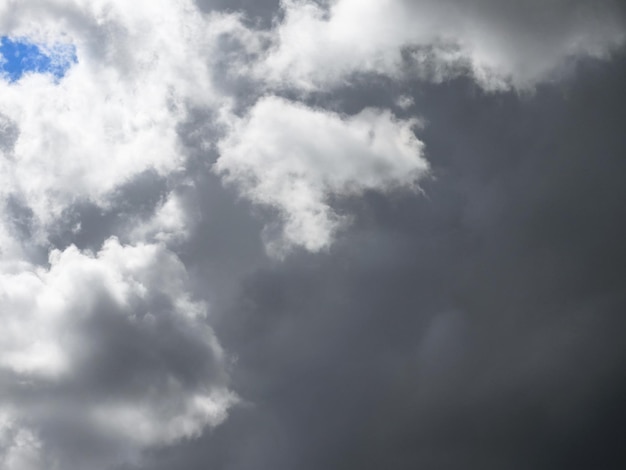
309	234
478	327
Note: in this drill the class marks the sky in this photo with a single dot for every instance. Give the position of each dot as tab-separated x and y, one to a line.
20	57
304	234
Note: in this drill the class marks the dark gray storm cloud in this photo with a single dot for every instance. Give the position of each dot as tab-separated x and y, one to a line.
315	234
477	326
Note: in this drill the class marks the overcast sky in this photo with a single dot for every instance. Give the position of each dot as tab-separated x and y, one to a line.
312	234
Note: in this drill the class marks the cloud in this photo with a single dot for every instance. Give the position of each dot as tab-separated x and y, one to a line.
499	43
20	449
293	158
321	46
104	354
170	222
115	114
481	327
107	349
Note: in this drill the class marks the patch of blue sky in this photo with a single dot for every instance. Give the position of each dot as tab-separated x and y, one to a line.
19	56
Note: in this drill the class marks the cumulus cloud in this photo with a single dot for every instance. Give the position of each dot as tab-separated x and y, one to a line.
115	113
293	158
114	337
500	43
105	354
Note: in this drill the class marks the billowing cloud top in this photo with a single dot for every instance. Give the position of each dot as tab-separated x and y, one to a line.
501	43
292	157
115	120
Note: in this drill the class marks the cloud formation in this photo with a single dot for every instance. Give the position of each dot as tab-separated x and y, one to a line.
104	354
126	186
294	158
499	43
480	327
115	113
114	337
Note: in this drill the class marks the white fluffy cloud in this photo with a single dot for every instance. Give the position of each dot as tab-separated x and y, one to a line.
116	338
106	349
501	43
115	113
293	158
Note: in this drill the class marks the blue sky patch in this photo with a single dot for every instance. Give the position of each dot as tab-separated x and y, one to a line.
20	56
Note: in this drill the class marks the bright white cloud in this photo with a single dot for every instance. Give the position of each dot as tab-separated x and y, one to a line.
293	158
499	42
118	336
115	114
